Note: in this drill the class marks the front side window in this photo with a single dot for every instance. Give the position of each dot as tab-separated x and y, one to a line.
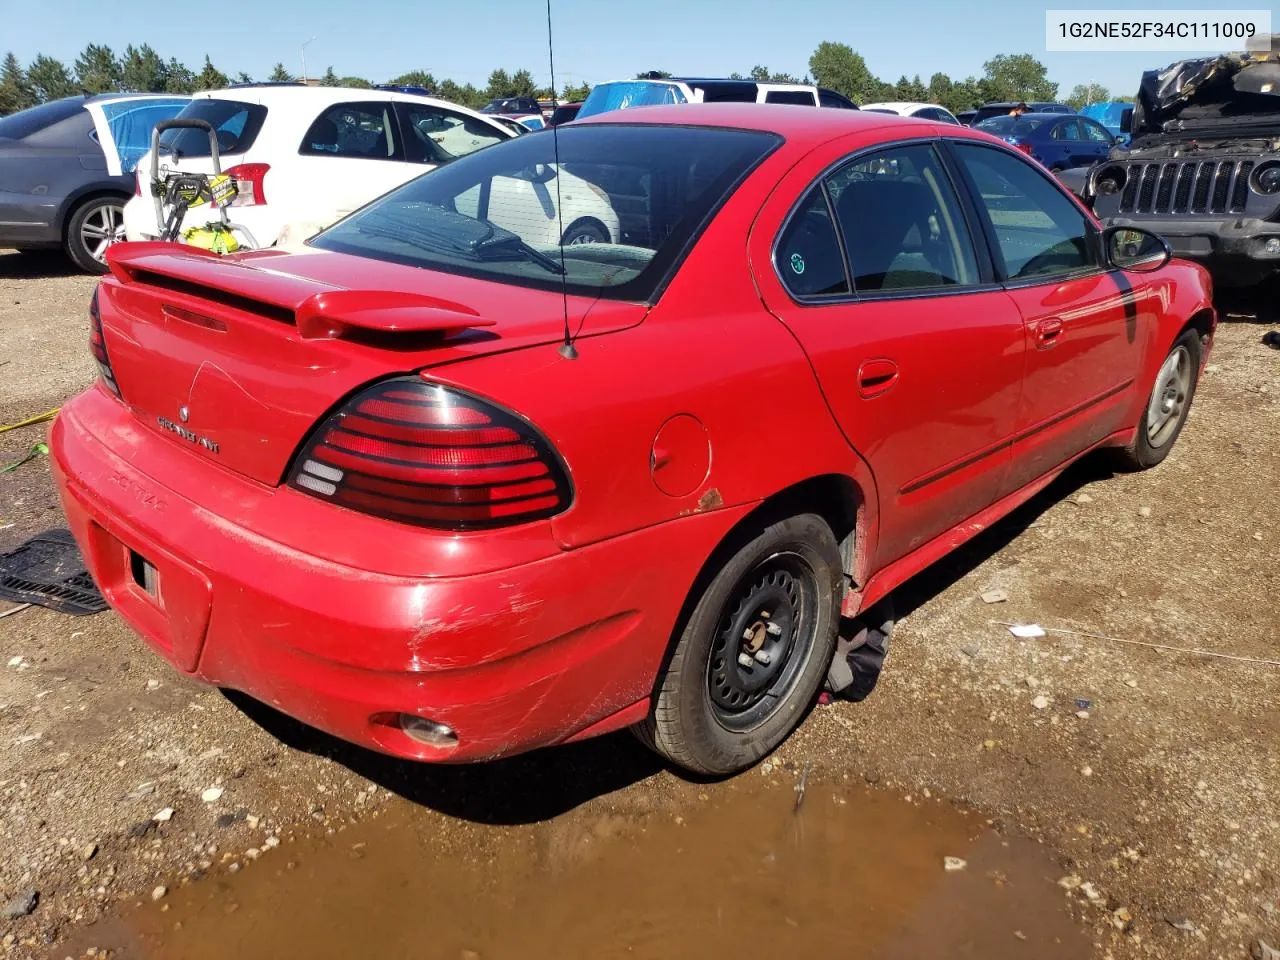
364	130
807	256
1095	132
634	198
1040	232
901	222
435	135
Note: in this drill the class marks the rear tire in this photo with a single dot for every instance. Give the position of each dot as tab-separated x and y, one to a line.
94	226
1166	409
775	604
585	230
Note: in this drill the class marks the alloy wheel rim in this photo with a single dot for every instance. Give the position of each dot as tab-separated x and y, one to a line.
101	228
1169	397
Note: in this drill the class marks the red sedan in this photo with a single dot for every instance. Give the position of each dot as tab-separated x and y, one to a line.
453	495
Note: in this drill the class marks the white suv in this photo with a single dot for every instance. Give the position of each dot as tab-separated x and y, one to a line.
304	157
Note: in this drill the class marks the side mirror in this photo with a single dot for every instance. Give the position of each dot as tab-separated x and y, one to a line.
1126	120
1132	248
1119	141
538	172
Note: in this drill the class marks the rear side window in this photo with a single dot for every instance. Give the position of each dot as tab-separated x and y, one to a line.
1067	130
829	98
364	130
902	223
801	98
26	122
435	135
235	123
808	257
934	113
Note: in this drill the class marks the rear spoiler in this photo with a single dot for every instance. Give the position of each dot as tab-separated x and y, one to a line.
319	312
332	315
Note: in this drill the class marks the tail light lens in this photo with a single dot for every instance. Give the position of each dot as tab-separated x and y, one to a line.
251	179
98	345
137	183
433	456
1024	147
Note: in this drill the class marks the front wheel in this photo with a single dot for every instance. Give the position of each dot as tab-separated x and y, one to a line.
1167	406
755	649
94	227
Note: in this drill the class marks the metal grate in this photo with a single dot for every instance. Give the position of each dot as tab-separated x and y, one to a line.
48	570
1177	186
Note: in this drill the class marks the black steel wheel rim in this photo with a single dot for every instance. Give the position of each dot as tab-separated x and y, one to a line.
763	640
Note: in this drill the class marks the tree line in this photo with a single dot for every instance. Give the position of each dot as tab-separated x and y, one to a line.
1005	78
98	69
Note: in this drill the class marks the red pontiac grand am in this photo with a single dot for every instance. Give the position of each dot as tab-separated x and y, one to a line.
369	482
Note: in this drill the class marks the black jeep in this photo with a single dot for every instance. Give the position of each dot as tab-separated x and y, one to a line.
1203	167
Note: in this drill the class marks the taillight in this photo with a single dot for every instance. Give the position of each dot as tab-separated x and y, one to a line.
98	345
137	183
1024	147
251	179
433	456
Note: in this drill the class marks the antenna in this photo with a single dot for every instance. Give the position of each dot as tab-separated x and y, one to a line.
567	349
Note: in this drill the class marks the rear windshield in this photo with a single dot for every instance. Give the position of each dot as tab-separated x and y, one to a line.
633	200
629	93
1011	126
236	123
32	120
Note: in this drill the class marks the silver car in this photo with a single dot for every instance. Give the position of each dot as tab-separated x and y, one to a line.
66	170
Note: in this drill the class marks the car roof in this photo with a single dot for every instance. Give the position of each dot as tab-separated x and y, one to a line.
1030	103
807	126
903	105
727	81
284	93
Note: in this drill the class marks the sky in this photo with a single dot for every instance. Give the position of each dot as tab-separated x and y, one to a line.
595	40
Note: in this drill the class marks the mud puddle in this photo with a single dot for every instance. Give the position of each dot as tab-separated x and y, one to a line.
730	870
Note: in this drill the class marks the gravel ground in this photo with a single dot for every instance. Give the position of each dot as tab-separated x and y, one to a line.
1150	774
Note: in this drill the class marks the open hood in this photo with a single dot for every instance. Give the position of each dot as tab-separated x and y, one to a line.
1235	95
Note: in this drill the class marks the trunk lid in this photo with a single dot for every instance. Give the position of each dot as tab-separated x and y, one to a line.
237	358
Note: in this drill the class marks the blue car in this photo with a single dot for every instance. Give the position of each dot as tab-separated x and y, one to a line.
1059	141
1111	115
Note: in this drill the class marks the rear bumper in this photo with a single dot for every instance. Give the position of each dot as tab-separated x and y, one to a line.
522	657
140	221
1235	250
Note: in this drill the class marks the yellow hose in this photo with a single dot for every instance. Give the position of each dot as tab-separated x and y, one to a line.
31	421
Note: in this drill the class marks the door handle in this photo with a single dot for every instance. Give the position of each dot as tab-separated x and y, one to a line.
876	377
1048	332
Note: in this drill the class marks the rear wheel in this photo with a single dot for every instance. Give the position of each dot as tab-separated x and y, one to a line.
754	651
1167	407
95	225
585	230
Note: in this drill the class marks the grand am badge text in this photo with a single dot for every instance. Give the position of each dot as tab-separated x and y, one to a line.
189	435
